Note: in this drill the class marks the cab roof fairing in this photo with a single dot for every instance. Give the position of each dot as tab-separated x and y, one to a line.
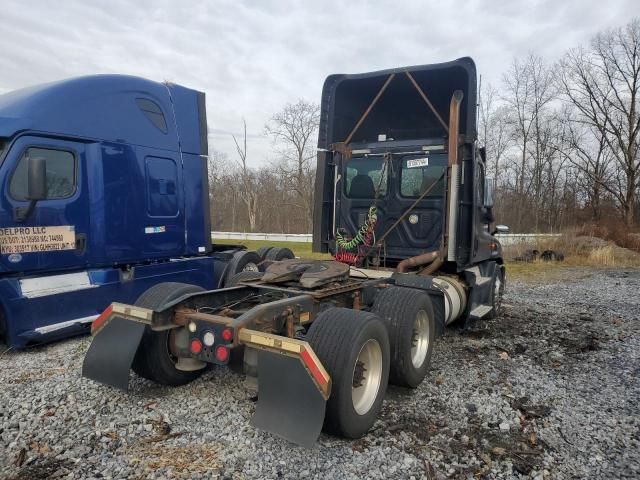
400	113
103	108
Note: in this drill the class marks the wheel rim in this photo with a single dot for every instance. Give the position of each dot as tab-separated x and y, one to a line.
251	267
367	376
420	339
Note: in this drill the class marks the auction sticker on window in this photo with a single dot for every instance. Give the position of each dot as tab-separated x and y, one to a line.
37	239
418	162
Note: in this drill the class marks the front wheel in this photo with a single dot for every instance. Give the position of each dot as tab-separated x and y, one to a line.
354	348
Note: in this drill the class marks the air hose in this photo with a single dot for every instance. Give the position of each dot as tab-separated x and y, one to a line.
363	235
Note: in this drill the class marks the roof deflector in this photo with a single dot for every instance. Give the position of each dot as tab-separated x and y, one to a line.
343	147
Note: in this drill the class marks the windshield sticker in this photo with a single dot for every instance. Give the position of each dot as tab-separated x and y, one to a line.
418	162
154	229
15	240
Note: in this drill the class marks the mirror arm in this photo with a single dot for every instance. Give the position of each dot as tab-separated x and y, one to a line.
20	214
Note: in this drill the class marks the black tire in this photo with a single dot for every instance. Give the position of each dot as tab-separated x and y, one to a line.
262	252
399	308
279	253
337	337
496	292
153	360
243	261
241	277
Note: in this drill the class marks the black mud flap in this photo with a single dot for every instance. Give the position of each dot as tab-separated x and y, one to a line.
289	402
111	352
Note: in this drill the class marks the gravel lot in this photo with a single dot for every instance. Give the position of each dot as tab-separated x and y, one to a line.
550	390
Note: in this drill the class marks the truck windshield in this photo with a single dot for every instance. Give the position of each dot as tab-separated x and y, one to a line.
364	177
419	174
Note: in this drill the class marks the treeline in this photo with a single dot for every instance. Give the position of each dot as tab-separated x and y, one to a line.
562	139
275	198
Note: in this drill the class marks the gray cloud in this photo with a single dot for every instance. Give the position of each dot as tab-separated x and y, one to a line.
253	57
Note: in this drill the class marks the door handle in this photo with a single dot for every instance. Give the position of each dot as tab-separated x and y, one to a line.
81	243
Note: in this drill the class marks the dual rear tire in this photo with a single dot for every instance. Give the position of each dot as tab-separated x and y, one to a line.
410	321
354	348
364	351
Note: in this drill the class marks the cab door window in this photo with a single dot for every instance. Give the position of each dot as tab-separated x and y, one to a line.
61	174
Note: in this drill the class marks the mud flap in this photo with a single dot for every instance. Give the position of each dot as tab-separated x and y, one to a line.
289	402
111	352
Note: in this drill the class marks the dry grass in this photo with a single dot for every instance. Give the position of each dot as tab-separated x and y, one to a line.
182	461
35	375
579	251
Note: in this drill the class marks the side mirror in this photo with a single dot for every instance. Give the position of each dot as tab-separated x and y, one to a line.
36	178
502	229
489	187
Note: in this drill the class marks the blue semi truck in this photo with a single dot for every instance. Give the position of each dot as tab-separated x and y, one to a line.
103	191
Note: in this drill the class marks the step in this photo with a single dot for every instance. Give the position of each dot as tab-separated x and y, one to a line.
480	311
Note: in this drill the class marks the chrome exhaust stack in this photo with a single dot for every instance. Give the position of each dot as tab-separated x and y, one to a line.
453	177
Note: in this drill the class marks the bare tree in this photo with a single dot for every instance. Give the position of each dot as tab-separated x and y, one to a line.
494	131
293	130
587	150
603	83
528	91
248	192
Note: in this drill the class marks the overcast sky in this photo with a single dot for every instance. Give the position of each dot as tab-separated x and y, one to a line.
252	57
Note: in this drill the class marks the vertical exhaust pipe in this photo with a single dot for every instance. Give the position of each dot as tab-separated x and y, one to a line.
453	176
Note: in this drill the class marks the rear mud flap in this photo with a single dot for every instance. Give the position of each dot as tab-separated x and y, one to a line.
289	402
111	352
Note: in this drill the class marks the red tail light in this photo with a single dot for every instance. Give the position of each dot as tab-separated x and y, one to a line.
195	346
227	334
222	353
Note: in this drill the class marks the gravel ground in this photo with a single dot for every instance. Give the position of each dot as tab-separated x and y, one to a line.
549	390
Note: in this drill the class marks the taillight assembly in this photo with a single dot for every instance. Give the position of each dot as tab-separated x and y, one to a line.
227	334
195	346
222	353
208	338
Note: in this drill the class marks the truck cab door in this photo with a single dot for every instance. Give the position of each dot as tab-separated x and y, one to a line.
54	235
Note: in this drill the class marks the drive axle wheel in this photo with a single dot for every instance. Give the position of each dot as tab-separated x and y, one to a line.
155	359
354	348
279	253
367	373
234	280
408	316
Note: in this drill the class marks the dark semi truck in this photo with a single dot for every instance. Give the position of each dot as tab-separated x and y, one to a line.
404	208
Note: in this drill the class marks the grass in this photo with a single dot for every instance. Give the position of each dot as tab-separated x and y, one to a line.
299	249
577	254
579	251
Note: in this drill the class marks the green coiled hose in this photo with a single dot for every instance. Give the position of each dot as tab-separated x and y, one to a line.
359	237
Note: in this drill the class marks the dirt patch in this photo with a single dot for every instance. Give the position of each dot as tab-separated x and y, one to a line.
35	376
183	461
43	467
